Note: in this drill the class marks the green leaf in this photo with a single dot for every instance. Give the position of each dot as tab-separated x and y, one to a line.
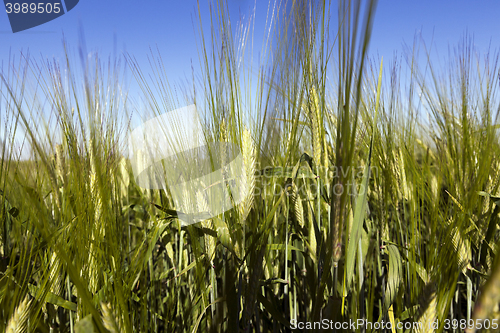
361	202
53	298
496	200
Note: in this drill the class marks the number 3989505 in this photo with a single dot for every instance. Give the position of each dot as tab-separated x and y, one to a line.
33	8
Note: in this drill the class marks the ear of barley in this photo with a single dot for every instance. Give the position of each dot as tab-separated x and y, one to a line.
490	295
210	241
435	188
19	321
336	217
97	230
141	162
223	136
109	319
287	144
60	163
314	118
248	178
298	208
326	157
55	274
60	167
462	248
310	227
94	186
400	173
428	309
124	176
223	158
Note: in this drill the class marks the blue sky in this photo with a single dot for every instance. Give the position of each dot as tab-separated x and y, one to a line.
137	25
112	27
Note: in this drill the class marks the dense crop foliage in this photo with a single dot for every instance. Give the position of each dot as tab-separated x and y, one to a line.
373	188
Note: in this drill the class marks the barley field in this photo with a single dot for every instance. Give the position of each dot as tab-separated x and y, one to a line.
368	198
